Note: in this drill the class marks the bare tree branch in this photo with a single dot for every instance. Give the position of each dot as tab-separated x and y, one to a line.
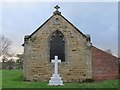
4	45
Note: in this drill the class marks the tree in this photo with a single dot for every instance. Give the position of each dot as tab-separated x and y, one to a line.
4	45
19	61
10	64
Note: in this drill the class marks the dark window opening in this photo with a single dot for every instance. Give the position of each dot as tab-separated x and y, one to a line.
57	46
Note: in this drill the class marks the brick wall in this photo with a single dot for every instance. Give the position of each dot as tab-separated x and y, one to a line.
104	65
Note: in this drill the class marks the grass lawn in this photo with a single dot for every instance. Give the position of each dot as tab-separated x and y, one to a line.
13	79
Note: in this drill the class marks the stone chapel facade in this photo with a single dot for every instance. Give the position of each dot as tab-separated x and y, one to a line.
58	36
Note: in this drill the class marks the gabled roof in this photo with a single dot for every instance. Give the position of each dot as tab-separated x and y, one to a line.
96	51
73	26
40	27
49	19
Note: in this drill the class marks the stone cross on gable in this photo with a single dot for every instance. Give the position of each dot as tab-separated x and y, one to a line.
56	61
56	7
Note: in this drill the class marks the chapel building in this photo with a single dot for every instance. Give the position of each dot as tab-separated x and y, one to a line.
80	60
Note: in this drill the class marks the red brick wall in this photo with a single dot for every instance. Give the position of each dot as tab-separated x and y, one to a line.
104	65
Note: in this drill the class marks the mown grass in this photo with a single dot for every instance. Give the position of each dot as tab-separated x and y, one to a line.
14	79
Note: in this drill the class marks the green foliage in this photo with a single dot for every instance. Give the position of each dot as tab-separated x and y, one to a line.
14	79
10	64
19	62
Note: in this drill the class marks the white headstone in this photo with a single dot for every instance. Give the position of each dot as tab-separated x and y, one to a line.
56	79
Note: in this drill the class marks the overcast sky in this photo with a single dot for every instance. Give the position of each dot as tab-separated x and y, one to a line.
99	19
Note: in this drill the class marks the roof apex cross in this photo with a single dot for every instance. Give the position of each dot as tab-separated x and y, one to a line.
56	7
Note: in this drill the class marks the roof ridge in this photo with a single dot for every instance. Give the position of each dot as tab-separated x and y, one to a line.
49	19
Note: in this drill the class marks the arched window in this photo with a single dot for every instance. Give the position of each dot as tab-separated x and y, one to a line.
57	46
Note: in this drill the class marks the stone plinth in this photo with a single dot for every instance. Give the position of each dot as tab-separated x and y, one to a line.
55	80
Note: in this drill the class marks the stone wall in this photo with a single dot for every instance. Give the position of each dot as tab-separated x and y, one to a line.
77	65
104	65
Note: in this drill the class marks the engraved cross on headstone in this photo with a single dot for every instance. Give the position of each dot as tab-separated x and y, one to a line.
56	61
56	7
